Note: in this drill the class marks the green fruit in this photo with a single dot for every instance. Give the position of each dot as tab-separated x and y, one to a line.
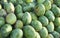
26	18
55	10
6	29
44	20
57	2
11	18
16	33
28	7
50	27
40	10
0	6
51	1
28	1
19	24
13	1
55	34
0	35
49	14
40	1
57	21
3	12
19	15
29	31
50	36
18	9
43	32
37	35
4	1
58	29
19	1
9	7
37	25
33	15
47	4
2	21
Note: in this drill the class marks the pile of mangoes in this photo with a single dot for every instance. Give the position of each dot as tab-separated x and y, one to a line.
29	18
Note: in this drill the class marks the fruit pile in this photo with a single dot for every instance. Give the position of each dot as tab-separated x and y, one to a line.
29	18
